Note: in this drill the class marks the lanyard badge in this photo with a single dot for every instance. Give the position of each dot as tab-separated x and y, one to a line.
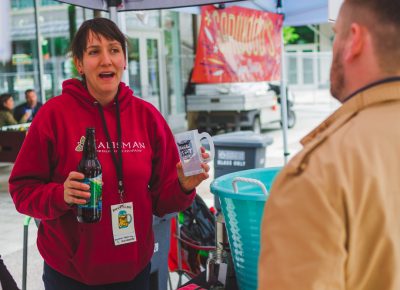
122	220
123	223
117	161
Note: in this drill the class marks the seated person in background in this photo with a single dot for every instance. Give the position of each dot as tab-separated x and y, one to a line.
27	111
6	107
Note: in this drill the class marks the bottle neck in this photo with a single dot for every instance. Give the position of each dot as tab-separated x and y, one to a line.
89	148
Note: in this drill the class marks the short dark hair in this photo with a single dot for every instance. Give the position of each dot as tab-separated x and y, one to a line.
29	91
98	26
381	17
4	98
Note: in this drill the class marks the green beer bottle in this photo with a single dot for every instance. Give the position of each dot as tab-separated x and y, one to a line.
91	168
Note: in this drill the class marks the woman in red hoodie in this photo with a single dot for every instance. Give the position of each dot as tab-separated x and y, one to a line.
140	168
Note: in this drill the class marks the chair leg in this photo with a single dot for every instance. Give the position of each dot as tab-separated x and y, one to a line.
179	280
25	252
169	281
179	252
182	274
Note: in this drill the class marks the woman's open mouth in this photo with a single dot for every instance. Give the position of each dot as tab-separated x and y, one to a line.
106	75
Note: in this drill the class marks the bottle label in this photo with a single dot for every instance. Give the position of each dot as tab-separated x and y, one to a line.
96	189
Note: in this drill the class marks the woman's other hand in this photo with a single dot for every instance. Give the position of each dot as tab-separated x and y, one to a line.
76	192
188	183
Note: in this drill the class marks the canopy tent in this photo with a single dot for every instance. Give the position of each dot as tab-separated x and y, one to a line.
296	13
131	5
305	12
334	7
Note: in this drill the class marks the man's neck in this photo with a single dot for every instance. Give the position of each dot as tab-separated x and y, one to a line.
384	79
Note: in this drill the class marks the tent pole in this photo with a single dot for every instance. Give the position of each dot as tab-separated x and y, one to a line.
283	96
120	20
40	52
113	14
112	8
122	26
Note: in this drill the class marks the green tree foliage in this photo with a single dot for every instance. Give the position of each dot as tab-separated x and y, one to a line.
290	35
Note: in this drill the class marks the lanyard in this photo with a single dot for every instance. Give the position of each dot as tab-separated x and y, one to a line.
384	81
117	162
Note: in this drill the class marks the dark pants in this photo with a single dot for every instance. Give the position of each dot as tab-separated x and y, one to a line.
54	280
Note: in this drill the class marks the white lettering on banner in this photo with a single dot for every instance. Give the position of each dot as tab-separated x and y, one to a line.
247	32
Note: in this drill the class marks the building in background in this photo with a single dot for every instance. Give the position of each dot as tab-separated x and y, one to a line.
160	53
308	57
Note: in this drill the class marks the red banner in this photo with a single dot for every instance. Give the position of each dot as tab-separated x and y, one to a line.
238	45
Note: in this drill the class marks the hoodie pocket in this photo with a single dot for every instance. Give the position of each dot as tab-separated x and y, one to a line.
98	261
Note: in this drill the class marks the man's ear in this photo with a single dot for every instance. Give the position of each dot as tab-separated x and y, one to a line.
356	41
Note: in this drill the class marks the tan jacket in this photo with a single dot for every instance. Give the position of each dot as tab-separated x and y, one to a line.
6	118
332	221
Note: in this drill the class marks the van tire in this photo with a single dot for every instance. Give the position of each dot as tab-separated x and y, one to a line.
256	125
291	119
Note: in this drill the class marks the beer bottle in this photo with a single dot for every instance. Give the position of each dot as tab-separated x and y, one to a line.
91	168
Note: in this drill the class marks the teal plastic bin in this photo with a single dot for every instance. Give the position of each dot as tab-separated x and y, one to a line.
242	198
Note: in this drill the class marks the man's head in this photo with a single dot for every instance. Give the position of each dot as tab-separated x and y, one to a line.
31	98
366	46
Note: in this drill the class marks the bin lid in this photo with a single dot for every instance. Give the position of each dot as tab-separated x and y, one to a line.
243	139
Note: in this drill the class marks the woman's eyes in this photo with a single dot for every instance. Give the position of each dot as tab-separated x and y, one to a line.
115	50
112	50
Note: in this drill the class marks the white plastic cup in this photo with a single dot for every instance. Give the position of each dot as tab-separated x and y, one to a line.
189	148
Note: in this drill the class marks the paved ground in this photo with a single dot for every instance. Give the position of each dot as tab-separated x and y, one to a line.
311	109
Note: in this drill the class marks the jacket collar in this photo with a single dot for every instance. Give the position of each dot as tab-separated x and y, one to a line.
379	93
77	89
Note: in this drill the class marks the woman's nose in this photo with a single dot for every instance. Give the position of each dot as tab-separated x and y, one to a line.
106	58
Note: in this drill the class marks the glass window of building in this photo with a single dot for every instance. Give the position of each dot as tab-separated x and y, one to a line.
159	57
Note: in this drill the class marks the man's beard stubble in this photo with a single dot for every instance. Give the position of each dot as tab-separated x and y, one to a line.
337	77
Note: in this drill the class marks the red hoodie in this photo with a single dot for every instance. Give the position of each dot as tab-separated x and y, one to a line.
86	252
